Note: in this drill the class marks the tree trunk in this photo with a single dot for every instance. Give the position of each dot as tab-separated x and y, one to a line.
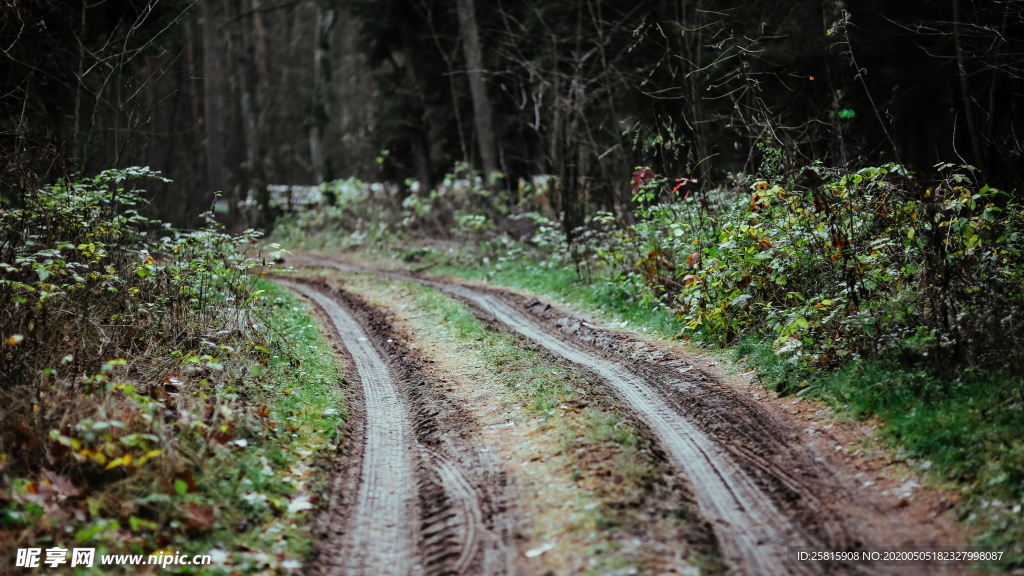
481	104
78	86
965	91
255	147
319	116
422	160
211	101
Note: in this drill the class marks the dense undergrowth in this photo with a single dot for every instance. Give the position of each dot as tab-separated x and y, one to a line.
887	294
157	395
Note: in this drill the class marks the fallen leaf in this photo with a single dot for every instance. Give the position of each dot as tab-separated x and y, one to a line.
61	484
200	517
183	483
223	434
125	461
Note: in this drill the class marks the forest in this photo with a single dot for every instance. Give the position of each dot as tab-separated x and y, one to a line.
237	237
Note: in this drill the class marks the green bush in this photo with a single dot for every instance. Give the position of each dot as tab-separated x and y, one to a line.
138	407
874	263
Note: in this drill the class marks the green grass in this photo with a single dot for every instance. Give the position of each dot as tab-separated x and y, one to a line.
258	488
966	430
601	298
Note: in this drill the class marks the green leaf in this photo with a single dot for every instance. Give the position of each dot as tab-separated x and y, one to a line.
180	487
254	295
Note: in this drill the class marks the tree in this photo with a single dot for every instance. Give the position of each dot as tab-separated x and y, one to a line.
482	113
319	115
211	101
252	121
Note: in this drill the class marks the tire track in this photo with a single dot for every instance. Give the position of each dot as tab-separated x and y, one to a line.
381	537
752	530
430	497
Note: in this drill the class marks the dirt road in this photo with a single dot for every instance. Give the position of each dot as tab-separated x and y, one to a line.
752	531
753	478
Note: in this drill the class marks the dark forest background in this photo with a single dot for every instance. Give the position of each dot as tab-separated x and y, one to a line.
230	95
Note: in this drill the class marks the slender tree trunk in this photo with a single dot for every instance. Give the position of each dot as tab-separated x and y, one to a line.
481	103
965	89
78	87
255	147
211	101
422	160
991	122
190	64
420	141
319	116
267	95
451	83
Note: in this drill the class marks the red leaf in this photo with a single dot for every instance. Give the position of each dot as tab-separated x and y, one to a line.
637	181
642	177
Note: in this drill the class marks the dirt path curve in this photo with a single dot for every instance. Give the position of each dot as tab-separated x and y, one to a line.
382	536
752	530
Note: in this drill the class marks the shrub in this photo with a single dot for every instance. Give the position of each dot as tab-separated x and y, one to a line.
133	364
841	265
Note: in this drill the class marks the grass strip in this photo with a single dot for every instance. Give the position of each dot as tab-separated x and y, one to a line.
602	299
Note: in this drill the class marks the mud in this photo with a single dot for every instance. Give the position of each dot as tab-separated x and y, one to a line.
755	478
429	497
658	528
753	531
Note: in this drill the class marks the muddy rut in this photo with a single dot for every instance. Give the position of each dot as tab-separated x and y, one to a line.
757	508
382	537
752	531
428	498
